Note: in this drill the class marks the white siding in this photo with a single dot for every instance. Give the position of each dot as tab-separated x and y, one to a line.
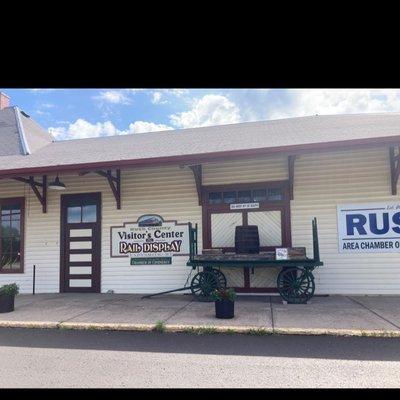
272	168
321	182
168	191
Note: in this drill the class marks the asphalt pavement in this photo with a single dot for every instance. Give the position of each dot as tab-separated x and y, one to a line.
72	358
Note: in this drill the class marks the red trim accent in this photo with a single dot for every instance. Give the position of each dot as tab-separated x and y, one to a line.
199	158
21	201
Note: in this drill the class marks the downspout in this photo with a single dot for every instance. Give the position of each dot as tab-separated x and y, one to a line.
24	142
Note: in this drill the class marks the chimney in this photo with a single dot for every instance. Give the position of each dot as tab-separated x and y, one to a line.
4	100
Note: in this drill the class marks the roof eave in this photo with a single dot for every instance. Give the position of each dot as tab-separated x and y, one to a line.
207	157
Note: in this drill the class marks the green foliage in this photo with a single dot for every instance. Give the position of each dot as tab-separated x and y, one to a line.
223	294
9	290
258	332
159	327
202	330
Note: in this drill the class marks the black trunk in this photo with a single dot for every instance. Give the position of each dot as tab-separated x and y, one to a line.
224	309
6	303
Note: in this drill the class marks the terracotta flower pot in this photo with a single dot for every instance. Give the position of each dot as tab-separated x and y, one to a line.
6	303
224	309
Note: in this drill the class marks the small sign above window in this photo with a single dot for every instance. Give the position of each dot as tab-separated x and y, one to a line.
244	206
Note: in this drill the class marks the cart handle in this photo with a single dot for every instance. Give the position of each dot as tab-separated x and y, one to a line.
315	239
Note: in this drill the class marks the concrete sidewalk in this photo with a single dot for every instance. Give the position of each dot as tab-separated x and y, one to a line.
333	315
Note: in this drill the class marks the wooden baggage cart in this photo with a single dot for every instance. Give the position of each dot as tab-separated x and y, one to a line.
295	282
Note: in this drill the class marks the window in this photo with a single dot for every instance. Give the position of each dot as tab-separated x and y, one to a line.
78	213
215	198
244	196
256	195
229	197
11	235
275	194
259	195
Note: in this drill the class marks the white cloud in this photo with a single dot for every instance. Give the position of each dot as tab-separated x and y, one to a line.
82	129
211	109
157	98
47	105
113	97
40	112
336	101
178	92
143	126
41	90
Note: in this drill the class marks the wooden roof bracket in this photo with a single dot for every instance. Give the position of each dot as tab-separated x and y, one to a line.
113	181
198	177
40	194
394	158
291	160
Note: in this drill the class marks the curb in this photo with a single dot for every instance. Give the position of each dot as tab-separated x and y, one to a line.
105	327
29	324
199	329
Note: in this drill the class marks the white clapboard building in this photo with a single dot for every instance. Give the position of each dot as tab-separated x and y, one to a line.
80	211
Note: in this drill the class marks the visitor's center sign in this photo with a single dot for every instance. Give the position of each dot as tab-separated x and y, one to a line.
369	228
150	240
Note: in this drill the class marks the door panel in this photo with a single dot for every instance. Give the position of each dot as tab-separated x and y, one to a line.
223	229
269	227
80	243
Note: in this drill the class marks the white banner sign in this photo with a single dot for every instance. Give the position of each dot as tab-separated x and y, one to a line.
243	206
369	228
150	240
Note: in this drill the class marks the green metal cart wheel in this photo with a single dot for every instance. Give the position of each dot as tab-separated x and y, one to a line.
221	278
296	285
203	284
310	292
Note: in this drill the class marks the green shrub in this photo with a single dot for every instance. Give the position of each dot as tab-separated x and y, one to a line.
9	290
201	330
223	294
159	327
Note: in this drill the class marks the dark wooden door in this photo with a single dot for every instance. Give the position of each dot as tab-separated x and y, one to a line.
272	216
80	243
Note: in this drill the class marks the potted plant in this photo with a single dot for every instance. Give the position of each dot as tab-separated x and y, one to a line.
224	302
7	296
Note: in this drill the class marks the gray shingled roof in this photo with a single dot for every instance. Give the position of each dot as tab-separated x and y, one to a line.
10	141
17	140
199	141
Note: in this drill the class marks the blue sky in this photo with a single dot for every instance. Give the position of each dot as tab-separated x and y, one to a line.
81	113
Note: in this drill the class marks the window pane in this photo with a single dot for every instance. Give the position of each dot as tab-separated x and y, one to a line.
15	228
15	217
6	244
215	198
10	261
229	197
275	194
259	195
74	215
10	208
89	213
5	260
244	196
16	245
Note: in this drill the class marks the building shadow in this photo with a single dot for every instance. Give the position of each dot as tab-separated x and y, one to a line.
319	347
